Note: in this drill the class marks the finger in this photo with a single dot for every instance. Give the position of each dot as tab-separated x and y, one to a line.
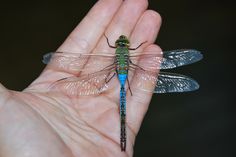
4	95
2	88
124	22
86	35
146	30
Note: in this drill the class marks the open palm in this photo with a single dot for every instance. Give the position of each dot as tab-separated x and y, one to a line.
37	123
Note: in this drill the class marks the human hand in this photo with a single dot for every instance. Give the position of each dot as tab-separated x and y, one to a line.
36	123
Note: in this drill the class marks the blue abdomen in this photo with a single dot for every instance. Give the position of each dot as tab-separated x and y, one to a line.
122	78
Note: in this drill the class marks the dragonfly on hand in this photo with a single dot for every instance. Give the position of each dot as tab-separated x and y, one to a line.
94	73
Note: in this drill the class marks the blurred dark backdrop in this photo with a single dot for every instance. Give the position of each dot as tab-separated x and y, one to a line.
193	124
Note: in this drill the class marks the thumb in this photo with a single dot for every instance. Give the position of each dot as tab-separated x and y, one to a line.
3	95
2	88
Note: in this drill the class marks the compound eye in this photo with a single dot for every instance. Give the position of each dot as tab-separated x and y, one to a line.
122	37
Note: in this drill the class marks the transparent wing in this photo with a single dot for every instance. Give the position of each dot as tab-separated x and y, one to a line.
87	84
94	78
76	62
164	82
167	59
177	58
94	62
144	80
149	61
47	57
171	82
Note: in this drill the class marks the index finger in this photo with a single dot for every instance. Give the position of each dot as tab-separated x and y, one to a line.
88	32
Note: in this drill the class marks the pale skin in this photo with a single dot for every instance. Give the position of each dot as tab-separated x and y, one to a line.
34	123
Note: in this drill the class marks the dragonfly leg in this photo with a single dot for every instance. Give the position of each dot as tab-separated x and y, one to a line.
129	86
109	66
107	80
109	43
135	65
137	46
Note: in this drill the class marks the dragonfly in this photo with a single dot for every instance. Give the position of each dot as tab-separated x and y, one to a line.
92	73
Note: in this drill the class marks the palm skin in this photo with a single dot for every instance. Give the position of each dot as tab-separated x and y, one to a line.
37	123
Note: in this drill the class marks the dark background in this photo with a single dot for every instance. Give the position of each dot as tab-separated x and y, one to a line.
192	124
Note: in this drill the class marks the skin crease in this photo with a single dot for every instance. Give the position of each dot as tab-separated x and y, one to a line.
37	123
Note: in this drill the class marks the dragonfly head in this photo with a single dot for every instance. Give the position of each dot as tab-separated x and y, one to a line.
122	41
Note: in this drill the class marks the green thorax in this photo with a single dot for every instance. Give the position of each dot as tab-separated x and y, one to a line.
122	54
